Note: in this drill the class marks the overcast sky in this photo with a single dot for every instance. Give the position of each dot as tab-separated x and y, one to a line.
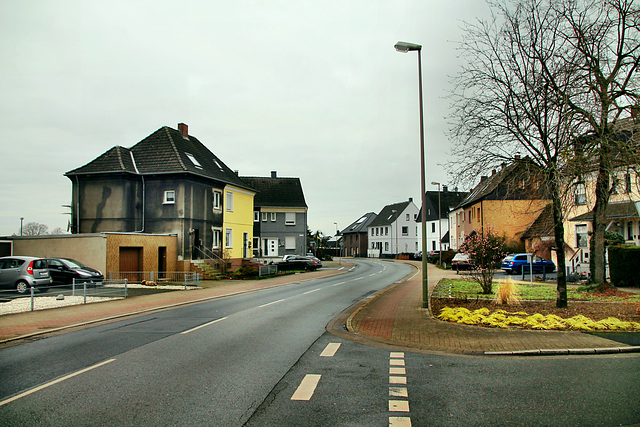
310	89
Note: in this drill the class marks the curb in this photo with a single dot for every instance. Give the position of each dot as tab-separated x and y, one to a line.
568	351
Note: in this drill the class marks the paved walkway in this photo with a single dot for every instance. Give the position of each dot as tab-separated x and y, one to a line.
394	317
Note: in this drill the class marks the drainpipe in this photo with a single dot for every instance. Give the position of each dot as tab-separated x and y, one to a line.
143	192
77	205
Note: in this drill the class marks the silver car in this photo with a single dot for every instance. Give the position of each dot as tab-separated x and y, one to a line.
23	272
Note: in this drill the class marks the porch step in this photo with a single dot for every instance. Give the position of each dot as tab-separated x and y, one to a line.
208	272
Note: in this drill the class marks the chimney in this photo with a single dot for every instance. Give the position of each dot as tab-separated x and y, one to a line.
274	174
444	189
411	199
517	156
184	129
493	172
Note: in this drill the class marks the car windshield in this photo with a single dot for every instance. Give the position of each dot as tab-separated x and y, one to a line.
72	263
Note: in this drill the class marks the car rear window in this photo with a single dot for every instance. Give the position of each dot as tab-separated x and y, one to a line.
39	264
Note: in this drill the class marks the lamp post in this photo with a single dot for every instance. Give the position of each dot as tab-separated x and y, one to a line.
405	47
21	220
439	224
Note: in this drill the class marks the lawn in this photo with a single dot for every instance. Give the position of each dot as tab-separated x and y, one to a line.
460	301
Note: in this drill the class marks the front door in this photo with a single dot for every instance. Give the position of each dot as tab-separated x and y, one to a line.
272	247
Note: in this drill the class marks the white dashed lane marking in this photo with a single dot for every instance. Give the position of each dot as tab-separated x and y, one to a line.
398	375
330	349
307	387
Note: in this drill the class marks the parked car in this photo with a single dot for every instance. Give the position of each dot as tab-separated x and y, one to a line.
23	272
64	270
514	264
432	255
418	256
461	261
298	262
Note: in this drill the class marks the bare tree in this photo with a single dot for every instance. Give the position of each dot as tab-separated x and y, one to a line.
504	104
603	39
34	229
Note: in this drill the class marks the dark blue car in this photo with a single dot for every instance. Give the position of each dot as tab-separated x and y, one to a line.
514	264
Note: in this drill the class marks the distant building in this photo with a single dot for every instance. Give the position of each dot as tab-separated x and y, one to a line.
355	238
438	205
395	231
280	216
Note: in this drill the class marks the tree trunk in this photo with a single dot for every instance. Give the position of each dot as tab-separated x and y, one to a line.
558	233
596	243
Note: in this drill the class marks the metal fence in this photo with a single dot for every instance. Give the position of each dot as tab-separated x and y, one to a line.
186	278
267	270
62	295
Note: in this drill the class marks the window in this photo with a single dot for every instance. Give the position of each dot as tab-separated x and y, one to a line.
433	227
217	200
582	238
193	160
273	217
386	231
256	216
216	239
629	230
264	217
627	183
408	217
386	246
405	231
580	194
228	238
169	197
290	218
290	242
372	232
229	201
433	245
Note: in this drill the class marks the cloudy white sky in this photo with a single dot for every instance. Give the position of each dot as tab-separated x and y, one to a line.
310	89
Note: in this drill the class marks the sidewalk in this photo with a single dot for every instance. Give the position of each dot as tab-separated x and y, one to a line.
394	317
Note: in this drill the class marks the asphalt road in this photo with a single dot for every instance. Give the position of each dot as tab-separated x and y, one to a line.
211	363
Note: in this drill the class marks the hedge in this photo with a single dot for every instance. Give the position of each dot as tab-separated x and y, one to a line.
624	265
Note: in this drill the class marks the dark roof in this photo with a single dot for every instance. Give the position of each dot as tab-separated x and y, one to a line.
502	185
448	201
166	151
360	226
276	192
542	226
615	210
387	216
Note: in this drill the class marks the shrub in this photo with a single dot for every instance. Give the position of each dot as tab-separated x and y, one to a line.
507	293
486	251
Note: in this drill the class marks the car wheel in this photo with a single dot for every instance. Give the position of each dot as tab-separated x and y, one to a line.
22	287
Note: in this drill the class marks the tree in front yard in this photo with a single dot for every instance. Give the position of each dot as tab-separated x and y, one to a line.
486	251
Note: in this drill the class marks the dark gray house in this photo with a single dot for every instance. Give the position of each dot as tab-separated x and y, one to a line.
280	216
355	238
167	183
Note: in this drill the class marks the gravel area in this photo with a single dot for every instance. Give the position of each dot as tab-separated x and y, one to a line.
19	305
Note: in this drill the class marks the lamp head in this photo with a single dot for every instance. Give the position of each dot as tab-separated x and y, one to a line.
405	47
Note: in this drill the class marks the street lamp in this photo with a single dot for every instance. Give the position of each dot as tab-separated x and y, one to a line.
21	220
405	47
439	222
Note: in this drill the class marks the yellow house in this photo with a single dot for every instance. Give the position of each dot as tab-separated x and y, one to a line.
507	202
238	224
